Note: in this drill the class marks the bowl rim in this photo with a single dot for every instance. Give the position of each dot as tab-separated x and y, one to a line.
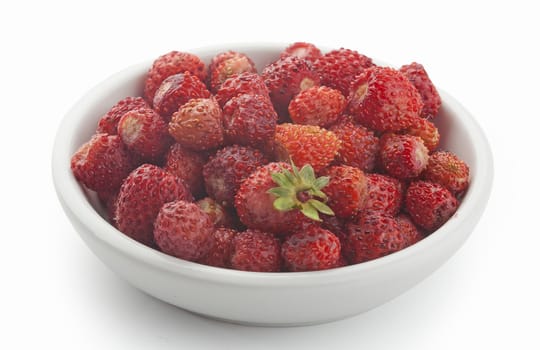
72	197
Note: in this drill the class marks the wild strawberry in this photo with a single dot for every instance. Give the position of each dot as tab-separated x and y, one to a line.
285	78
109	200
255	250
183	230
306	144
108	123
144	133
306	51
403	156
240	84
228	65
338	68
176	90
187	165
249	120
142	194
169	64
429	204
198	124
449	170
102	163
346	191
219	216
385	194
359	145
318	105
280	210
220	253
373	235
410	233
418	76
427	131
383	99
310	250
224	171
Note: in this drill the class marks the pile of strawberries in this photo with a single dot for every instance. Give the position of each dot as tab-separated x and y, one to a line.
319	161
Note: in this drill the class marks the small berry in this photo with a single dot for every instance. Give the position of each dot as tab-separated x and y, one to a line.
176	90
410	233
169	64
427	131
219	216
306	51
108	123
318	105
198	124
221	250
311	250
240	84
403	156
383	99
255	250
285	78
359	145
102	163
418	76
429	204
141	196
144	133
306	144
373	235
346	191
224	171
187	165
183	230
249	120
385	194
447	169
227	66
338	68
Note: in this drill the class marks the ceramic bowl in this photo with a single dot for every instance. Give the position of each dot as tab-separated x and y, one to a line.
278	299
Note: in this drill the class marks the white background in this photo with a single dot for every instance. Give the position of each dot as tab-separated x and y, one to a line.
56	295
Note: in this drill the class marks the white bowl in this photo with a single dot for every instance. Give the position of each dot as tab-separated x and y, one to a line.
252	297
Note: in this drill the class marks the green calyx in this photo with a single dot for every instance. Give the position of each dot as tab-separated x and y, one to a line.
300	190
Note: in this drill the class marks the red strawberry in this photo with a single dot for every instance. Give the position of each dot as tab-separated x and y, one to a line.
187	165
240	84
227	66
102	163
427	131
141	196
255	206
318	105
219	216
429	204
403	156
176	90
346	191
372	236
255	250
169	64
249	120
310	250
222	247
183	230
306	144
285	78
338	68
411	234
198	124
108	123
418	76
144	133
306	51
448	170
383	99
385	194
224	171
359	145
